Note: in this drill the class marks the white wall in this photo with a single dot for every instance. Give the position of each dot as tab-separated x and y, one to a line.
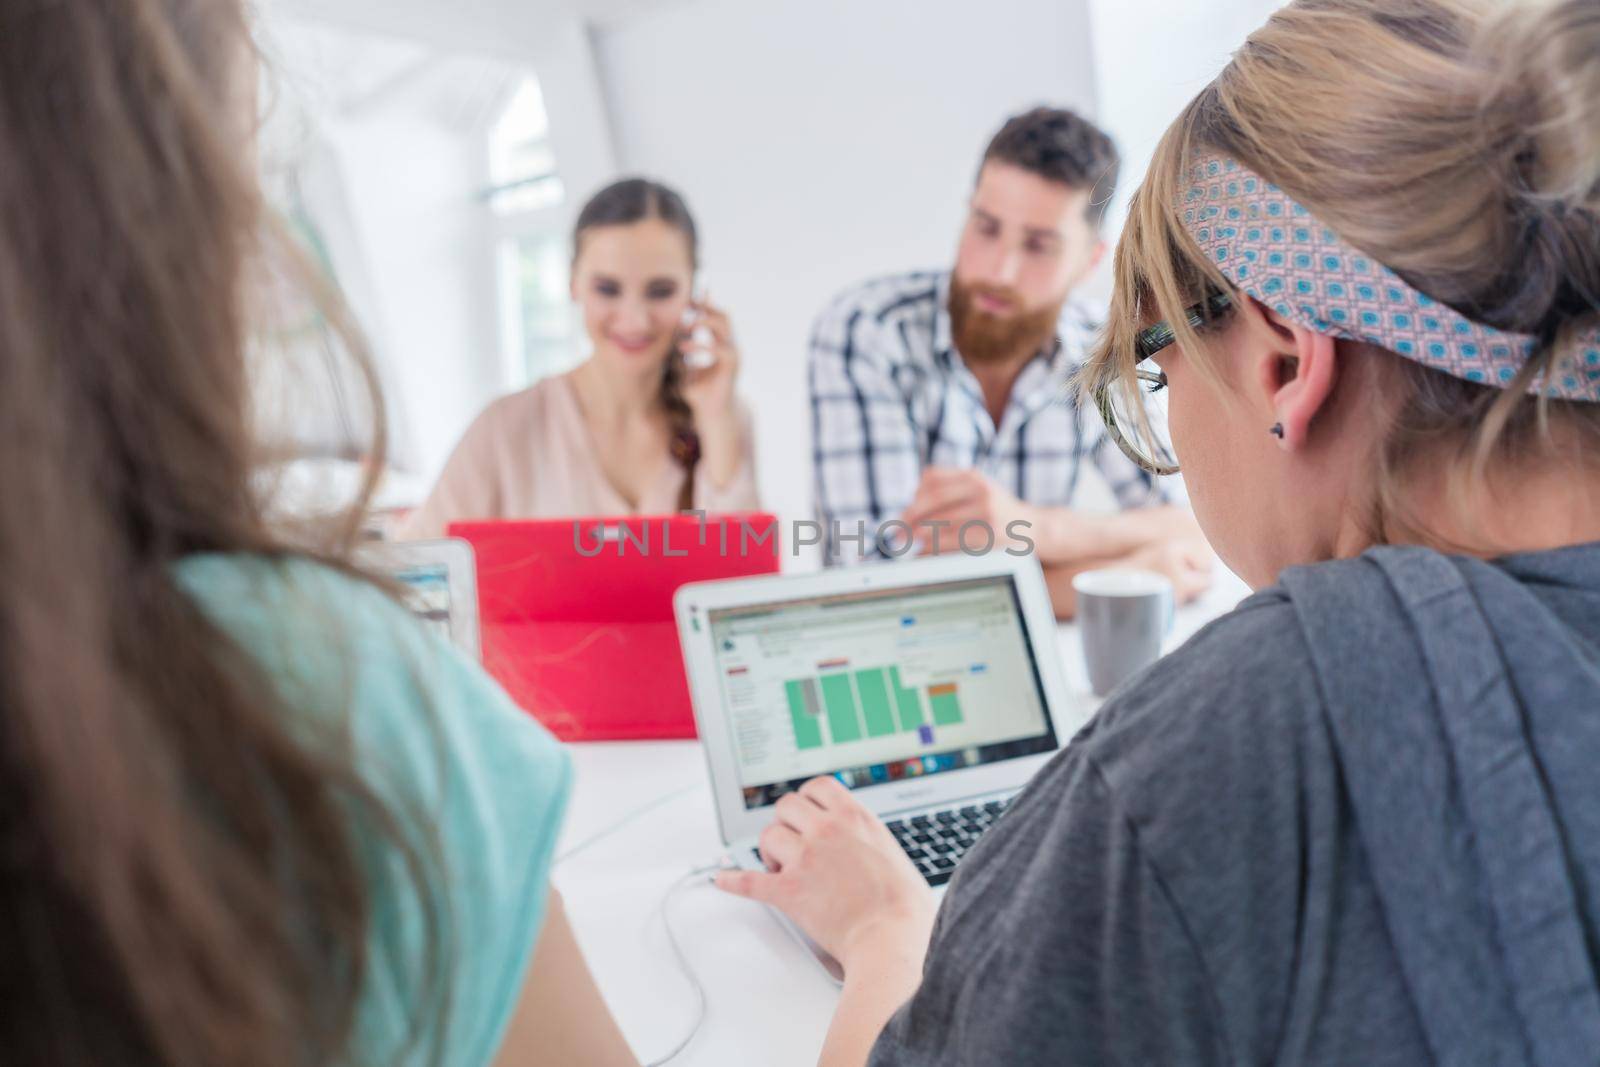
426	238
384	139
1151	58
820	142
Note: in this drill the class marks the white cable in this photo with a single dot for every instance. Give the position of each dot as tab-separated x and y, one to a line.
679	956
627	820
683	961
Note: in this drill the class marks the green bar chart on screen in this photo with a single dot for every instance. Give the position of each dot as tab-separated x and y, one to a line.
844	720
873	702
944	702
909	703
875	708
805	709
873	688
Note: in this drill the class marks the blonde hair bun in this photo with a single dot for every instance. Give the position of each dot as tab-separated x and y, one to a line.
1546	54
1541	107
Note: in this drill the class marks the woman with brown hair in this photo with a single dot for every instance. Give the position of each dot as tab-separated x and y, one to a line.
250	813
649	423
1354	821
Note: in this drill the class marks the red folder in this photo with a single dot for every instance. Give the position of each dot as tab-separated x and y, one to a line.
576	614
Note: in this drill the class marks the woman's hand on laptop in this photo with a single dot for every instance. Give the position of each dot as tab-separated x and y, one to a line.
835	869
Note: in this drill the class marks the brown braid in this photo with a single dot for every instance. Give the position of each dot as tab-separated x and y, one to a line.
634	200
685	443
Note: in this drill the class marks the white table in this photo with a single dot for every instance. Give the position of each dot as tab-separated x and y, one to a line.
640	818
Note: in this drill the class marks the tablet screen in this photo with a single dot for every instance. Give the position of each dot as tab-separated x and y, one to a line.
427	594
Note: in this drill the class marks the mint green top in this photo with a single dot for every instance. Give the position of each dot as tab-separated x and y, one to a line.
463	767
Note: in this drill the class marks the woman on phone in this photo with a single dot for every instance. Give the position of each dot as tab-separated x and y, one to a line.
648	424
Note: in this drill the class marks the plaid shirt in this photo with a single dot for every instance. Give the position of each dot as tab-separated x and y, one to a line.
890	396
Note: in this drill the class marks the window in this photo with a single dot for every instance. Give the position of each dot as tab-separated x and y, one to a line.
521	164
526	197
536	310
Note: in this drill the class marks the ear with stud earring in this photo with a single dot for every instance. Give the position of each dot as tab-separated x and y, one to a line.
1277	430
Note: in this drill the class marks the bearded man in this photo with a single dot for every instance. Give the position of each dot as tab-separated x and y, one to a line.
940	410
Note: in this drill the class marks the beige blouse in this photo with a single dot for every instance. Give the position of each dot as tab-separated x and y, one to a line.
530	455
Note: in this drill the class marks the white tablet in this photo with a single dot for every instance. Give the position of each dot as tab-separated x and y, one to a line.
441	583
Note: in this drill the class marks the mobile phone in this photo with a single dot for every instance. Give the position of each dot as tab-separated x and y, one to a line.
694	329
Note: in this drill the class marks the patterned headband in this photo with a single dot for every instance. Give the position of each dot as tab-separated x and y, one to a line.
1276	251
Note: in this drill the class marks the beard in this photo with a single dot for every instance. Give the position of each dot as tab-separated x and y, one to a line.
983	338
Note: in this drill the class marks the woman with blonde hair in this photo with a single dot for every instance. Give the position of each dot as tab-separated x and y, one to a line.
1354	821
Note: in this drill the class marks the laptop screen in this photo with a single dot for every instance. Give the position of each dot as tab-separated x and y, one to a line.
427	594
878	686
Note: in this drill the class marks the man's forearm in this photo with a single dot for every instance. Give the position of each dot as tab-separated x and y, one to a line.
1058	579
1063	537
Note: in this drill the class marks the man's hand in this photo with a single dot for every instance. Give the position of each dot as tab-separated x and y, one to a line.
950	498
1187	561
1166	539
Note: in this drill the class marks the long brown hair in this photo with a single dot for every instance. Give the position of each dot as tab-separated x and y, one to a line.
1457	142
623	203
180	876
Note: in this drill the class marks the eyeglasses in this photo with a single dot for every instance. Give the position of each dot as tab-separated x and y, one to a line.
1139	436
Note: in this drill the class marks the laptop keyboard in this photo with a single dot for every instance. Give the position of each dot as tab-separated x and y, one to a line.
936	841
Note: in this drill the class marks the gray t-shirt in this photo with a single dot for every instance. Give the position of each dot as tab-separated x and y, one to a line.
1355	821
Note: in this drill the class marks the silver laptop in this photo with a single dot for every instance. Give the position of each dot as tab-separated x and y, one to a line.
441	584
930	687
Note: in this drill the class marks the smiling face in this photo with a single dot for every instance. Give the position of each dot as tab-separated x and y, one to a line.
1027	242
634	282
